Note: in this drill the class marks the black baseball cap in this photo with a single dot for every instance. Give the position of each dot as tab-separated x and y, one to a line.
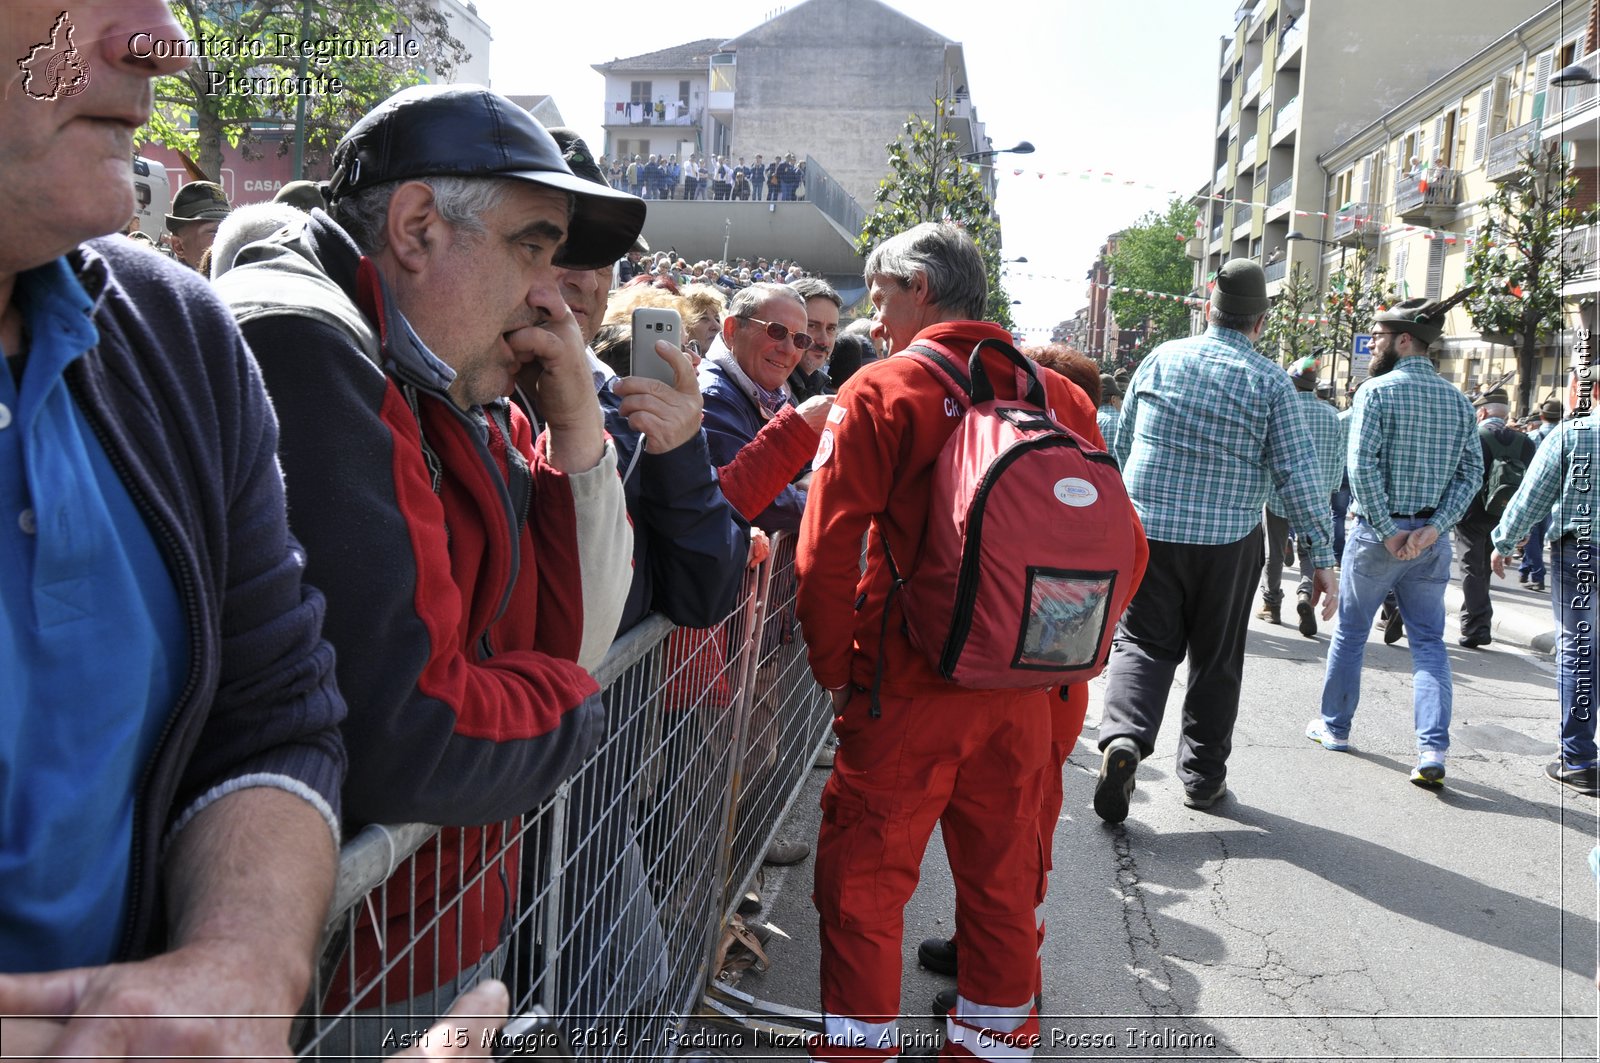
469	131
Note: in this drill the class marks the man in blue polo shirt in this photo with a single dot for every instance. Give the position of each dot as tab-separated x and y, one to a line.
170	762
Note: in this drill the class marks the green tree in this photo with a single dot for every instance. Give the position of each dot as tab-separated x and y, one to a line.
1357	290
1292	331
928	181
202	107
1150	256
1517	262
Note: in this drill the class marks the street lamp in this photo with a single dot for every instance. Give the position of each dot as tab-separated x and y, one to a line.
1019	258
1022	148
1574	75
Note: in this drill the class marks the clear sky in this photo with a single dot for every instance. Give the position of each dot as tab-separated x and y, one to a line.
1119	87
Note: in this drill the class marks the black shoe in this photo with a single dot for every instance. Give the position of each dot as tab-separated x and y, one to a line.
1536	586
944	1002
783	853
1585	781
1308	616
1394	629
938	955
1472	642
1204	797
750	904
1117	766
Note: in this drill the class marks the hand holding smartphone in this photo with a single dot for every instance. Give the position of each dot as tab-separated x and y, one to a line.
649	325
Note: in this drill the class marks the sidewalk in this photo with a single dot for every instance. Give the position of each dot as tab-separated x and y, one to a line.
1521	617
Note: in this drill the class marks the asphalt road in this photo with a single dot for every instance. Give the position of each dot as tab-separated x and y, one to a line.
1326	908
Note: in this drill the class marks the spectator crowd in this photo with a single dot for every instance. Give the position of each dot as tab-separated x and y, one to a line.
327	522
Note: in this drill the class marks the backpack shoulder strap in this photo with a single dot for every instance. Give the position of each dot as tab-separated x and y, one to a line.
945	369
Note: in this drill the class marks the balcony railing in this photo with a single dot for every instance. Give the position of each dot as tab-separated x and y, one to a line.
1287	115
1355	220
1222	176
1574	98
1242	214
830	197
1507	150
1582	247
1426	191
1247	154
1289	42
1281	192
1276	271
640	112
1252	84
1216	231
1225	116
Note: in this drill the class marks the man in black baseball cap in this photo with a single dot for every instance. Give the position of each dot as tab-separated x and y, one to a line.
473	572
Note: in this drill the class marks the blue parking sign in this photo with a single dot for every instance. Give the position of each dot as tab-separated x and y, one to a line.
1361	356
1363	344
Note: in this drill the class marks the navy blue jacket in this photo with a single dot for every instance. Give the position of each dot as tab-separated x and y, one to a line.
689	548
731	421
177	402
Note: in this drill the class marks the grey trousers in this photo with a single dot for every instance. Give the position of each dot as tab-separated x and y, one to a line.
1194	601
1472	553
1277	532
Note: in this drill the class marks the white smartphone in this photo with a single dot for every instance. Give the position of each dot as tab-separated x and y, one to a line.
649	325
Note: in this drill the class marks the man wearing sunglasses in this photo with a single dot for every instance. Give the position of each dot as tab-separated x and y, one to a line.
744	383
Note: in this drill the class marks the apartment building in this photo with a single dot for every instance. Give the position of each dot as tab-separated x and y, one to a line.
1298	77
832	79
1410	184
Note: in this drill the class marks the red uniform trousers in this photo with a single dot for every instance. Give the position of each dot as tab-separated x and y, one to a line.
977	764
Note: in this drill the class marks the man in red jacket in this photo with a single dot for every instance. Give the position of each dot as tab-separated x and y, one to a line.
976	761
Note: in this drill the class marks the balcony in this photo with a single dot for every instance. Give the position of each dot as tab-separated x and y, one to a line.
1288	115
1194	247
1229	54
1247	154
1289	43
1570	111
1222	177
1252	84
1216	231
1507	150
1225	117
1583	247
1276	271
640	113
1428	197
1243	214
1356	222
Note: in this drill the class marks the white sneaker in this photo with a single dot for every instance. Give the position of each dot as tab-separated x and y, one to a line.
1318	731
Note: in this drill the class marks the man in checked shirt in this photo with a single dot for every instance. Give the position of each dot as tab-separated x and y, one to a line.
1561	485
1415	463
1208	426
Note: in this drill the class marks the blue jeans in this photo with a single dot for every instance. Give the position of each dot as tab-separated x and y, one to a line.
1341	506
1367	573
1572	602
1532	567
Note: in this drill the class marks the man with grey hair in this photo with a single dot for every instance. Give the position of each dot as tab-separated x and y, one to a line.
1208	427
822	325
1507	453
744	382
473	573
914	748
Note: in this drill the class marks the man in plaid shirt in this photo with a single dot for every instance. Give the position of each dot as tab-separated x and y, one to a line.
1415	463
1560	486
1327	440
1208	426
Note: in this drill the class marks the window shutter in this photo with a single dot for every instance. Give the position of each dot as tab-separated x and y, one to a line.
1435	268
1397	272
1541	82
1480	135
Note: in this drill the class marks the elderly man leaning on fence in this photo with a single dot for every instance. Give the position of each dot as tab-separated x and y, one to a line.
472	572
170	761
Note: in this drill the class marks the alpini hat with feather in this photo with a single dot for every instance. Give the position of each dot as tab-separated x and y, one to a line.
1422	318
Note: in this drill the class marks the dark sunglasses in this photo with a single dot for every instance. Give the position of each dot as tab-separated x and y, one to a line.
779	333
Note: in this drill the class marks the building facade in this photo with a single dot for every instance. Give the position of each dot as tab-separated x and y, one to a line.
1410	185
1297	78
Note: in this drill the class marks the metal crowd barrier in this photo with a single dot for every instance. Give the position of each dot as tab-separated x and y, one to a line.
603	908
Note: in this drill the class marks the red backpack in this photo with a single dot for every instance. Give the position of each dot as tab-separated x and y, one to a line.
1029	552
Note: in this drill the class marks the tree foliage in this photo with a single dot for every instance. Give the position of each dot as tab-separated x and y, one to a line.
1150	256
1357	290
192	116
1517	262
928	181
1292	331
